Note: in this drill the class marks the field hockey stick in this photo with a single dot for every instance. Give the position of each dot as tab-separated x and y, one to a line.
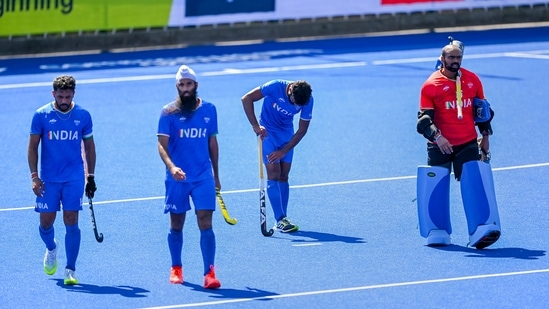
459	95
262	202
224	211
98	236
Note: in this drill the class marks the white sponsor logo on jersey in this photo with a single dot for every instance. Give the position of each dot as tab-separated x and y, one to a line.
192	133
63	135
281	110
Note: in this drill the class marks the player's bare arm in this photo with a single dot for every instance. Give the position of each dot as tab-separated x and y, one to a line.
89	146
32	157
214	158
248	101
296	138
176	172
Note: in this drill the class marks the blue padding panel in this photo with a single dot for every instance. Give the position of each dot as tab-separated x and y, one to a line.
478	194
433	199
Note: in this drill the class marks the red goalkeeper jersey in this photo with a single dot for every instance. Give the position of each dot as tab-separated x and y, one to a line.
439	93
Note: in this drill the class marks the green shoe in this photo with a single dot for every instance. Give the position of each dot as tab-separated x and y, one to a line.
50	260
70	279
285	226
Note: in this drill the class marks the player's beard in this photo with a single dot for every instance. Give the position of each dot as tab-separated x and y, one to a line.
63	107
452	67
188	102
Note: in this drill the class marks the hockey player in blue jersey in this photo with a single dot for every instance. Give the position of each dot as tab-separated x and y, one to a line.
282	101
187	145
60	128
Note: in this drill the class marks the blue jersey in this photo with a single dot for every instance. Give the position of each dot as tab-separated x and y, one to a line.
61	141
188	145
277	112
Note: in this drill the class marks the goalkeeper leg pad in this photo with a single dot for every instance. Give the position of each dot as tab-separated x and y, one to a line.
433	204
479	202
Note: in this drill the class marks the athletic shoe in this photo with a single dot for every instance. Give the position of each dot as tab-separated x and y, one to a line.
488	240
210	281
176	275
285	226
438	238
484	236
70	279
50	260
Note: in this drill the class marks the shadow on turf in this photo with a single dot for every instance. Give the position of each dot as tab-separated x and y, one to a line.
515	253
325	237
249	293
122	290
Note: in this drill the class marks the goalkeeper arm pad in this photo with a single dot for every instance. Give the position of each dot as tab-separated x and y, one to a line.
425	125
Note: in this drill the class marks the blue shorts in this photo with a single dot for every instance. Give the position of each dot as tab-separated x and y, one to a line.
178	194
276	141
69	194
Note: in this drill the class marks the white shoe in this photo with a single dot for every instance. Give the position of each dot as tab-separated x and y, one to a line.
50	260
438	238
70	279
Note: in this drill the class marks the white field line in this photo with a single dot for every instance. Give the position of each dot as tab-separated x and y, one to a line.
353	289
223	72
348	182
534	54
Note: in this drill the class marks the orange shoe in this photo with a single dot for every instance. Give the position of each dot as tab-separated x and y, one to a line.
176	275
210	281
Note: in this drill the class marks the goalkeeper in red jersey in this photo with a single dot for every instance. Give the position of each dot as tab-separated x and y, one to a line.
452	106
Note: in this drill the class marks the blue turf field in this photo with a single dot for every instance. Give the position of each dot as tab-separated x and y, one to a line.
353	180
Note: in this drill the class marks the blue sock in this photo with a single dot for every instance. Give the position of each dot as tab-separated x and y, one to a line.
273	191
72	245
175	244
285	195
48	237
207	245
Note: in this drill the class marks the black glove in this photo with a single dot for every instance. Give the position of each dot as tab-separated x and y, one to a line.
90	187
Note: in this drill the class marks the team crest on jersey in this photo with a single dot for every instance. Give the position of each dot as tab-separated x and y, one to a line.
76	122
470	85
206	119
